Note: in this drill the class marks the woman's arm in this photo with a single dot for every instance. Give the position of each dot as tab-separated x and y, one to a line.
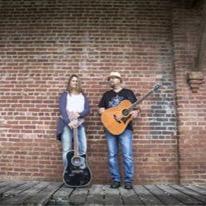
62	108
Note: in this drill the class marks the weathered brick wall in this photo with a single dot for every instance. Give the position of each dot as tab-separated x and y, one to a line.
191	107
43	42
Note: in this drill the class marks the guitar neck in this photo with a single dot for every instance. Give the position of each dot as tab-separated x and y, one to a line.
141	100
76	145
75	132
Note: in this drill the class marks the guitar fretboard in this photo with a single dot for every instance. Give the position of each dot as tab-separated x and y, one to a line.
143	98
76	146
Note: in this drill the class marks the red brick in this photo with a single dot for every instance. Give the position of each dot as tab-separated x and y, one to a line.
146	45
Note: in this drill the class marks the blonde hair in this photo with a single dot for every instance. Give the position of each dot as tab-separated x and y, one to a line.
79	89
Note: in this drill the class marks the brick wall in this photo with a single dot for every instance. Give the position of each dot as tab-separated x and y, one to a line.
191	107
43	42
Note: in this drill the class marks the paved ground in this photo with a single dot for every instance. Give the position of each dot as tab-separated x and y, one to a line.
55	193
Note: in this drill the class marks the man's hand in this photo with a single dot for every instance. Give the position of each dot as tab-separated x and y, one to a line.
101	110
135	113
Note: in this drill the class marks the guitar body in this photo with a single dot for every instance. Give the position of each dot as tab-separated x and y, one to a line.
110	116
76	176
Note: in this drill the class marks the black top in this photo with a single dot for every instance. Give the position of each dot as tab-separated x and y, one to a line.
112	99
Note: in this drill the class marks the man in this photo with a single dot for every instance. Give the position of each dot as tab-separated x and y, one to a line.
110	99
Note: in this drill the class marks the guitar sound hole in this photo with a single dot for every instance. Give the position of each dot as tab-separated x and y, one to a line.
76	161
125	112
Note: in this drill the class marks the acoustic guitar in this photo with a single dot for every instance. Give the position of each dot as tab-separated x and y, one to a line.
77	173
116	119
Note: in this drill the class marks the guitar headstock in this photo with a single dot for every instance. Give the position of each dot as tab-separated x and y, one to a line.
156	87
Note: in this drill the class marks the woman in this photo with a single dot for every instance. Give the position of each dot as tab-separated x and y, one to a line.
72	103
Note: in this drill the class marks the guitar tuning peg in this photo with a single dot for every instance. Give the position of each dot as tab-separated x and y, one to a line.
157	86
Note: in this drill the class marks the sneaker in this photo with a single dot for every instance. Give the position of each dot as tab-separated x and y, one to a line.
115	184
128	185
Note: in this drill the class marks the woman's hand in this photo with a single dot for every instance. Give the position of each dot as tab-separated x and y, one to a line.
73	124
76	115
73	115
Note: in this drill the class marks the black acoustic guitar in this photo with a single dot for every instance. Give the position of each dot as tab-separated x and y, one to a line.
77	173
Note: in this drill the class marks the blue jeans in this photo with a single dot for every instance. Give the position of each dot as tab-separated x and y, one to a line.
125	141
67	139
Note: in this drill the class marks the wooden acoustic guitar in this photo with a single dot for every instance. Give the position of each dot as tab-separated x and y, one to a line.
116	119
77	173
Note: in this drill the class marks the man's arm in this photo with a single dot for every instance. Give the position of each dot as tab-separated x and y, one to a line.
136	112
102	104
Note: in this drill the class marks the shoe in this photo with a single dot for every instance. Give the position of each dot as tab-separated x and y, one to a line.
128	185
115	184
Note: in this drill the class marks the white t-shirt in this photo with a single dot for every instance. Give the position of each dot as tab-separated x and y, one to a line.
75	103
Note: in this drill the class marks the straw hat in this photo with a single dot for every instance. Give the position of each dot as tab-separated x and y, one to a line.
114	74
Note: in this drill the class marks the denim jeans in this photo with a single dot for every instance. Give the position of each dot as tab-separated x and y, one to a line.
125	141
67	142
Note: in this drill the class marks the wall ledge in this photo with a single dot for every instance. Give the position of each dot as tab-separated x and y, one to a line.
195	79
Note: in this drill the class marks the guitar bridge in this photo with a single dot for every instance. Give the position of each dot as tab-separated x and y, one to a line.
115	117
77	171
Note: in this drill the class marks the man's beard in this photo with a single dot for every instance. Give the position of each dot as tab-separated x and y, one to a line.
112	86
